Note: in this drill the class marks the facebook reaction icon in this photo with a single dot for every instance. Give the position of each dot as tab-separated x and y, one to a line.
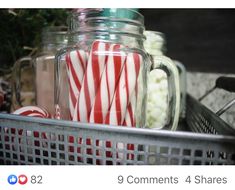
22	179
12	179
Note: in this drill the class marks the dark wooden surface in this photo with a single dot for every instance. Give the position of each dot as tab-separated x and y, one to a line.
202	39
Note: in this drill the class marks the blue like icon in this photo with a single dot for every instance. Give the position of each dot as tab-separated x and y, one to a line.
12	179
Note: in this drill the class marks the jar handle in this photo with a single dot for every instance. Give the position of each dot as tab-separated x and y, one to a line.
16	83
166	64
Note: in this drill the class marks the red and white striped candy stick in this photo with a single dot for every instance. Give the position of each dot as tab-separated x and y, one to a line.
76	61
130	120
128	86
124	90
32	111
95	67
109	80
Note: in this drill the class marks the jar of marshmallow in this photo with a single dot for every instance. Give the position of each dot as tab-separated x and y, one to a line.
163	102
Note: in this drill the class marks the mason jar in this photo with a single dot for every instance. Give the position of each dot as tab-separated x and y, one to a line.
101	77
163	104
40	69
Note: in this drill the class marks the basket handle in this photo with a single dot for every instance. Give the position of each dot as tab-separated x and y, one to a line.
226	83
226	107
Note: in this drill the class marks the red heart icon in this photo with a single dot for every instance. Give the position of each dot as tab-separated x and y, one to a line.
22	179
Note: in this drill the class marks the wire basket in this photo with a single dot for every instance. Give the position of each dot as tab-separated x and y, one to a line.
35	141
202	120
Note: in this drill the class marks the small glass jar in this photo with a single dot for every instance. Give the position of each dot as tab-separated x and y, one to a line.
163	92
54	39
41	69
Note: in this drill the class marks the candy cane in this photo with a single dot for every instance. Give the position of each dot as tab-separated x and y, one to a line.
76	61
109	80
130	119
95	66
125	88
90	84
32	111
123	105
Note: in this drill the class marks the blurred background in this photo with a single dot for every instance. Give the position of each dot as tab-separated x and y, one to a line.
203	39
21	31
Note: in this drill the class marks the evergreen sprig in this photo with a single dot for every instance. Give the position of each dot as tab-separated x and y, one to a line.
22	27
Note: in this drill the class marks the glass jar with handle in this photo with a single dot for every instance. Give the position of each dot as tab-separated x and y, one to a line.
40	71
163	91
101	77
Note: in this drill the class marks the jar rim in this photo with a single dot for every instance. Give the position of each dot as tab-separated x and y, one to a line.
124	14
54	35
129	16
115	21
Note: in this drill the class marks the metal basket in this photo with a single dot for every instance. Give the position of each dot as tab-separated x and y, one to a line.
202	120
30	141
